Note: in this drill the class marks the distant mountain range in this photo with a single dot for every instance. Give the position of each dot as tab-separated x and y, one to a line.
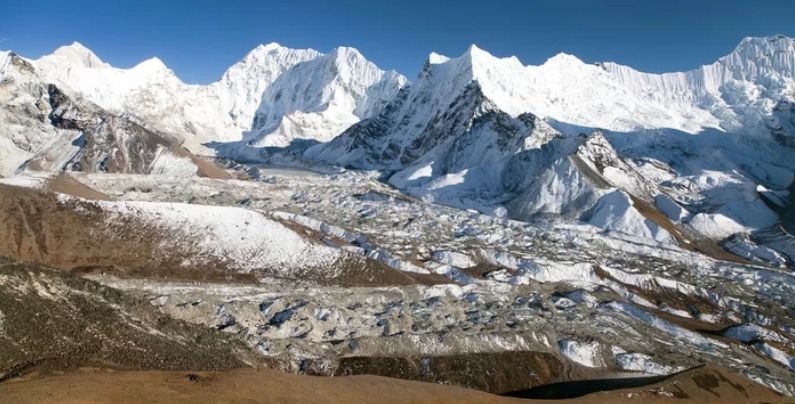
669	157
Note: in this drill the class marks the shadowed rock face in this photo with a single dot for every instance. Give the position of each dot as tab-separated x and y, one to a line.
106	143
51	129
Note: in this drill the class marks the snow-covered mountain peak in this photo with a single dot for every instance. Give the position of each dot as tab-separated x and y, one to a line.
451	76
756	58
268	47
268	60
563	59
346	53
474	52
435	58
484	62
773	43
74	55
319	98
345	60
151	66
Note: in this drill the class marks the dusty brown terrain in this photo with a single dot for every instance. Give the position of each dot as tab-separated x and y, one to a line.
706	384
59	333
76	235
703	385
65	184
52	321
34	227
497	372
206	168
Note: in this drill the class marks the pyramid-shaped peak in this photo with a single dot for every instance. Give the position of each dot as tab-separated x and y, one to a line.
476	53
151	65
563	58
344	53
78	55
76	46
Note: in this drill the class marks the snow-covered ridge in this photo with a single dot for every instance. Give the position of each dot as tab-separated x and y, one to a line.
757	74
320	98
610	96
346	89
47	127
734	93
479	132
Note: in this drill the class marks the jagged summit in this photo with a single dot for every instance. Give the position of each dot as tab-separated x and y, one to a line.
777	41
269	46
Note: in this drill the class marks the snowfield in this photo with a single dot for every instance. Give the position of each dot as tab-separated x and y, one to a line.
248	239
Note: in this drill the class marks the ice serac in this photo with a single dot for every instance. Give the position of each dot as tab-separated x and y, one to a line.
318	99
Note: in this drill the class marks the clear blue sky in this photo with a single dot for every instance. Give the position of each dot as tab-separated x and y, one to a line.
199	39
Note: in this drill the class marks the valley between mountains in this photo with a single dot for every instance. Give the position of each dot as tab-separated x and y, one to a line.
486	225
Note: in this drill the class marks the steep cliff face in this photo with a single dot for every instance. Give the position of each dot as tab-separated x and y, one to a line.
322	97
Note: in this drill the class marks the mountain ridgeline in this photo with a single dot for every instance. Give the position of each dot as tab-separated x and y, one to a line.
655	156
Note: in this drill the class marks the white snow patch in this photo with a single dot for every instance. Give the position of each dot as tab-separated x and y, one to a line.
672	210
585	353
638	362
734	217
25	182
776	354
749	332
168	164
243	237
616	211
454	258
